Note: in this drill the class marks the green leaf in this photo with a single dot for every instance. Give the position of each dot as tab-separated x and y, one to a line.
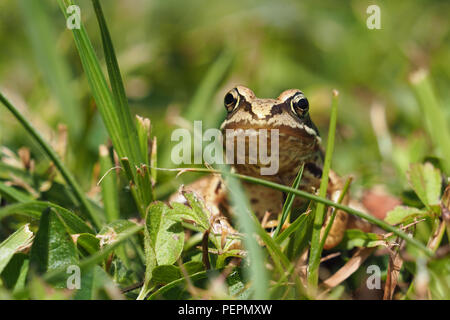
118	227
33	209
439	271
13	195
358	238
236	286
194	277
164	240
19	239
88	242
166	274
197	211
15	273
53	247
166	236
400	213
99	256
426	182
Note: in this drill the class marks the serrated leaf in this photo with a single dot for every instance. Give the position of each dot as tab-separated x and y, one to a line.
19	239
426	182
53	247
199	210
166	236
400	213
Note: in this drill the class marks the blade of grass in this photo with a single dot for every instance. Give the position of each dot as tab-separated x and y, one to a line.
118	122
54	68
118	89
299	222
257	273
316	251
333	215
108	185
289	201
435	117
70	180
113	106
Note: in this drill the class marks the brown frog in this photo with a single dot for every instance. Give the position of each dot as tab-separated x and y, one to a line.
298	143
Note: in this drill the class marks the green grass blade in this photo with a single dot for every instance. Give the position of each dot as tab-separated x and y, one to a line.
333	214
258	273
13	195
108	185
316	251
289	201
298	223
54	68
70	180
435	117
118	89
110	113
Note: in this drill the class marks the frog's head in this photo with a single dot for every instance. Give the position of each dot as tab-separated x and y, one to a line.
298	138
289	113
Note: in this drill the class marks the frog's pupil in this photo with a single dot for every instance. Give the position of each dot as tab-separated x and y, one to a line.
229	99
303	104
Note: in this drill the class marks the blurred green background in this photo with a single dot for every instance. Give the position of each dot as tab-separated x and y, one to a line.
178	58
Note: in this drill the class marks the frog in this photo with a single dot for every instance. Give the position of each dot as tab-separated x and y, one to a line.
299	145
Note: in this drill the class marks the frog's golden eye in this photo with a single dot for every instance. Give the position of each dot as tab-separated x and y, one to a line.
231	100
299	104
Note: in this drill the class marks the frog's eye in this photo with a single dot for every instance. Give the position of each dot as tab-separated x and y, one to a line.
231	100
299	104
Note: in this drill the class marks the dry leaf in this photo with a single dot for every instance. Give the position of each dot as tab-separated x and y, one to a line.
349	268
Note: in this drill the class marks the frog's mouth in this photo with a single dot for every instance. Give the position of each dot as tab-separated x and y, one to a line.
300	131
